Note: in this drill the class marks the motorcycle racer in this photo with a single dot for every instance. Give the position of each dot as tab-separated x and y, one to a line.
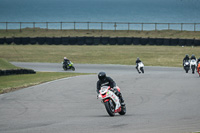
137	62
198	61
186	58
193	57
66	61
108	81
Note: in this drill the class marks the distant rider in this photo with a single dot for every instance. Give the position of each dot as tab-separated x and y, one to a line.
193	57
108	81
198	61
186	58
137	62
66	61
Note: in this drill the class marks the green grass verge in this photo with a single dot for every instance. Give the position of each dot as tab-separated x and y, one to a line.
101	54
37	32
4	64
14	82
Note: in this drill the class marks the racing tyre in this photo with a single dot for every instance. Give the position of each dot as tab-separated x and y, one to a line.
142	69
73	68
110	108
123	111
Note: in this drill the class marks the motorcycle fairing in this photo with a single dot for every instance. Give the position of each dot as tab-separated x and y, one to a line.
106	96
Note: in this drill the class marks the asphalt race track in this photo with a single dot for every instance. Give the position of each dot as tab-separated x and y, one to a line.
163	100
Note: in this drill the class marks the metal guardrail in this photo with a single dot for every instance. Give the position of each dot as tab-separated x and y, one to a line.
100	26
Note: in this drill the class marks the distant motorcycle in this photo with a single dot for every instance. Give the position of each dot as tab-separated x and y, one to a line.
186	66
140	67
67	66
193	65
111	101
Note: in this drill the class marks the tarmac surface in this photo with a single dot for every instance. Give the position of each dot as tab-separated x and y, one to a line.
162	100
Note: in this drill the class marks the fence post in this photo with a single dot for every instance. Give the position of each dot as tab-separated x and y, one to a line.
181	26
101	26
20	26
6	26
74	25
128	27
88	25
33	26
155	26
142	26
194	26
168	26
61	26
47	26
115	26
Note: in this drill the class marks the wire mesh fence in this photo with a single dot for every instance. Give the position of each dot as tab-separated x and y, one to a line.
100	26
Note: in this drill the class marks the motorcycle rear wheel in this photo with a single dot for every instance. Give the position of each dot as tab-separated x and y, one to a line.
110	108
142	69
123	111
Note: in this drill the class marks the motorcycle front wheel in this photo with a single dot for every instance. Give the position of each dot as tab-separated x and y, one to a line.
73	68
110	108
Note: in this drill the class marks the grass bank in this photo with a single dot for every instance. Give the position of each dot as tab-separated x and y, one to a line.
100	54
37	32
15	82
5	65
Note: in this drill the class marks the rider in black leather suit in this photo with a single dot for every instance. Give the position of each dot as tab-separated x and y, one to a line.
108	81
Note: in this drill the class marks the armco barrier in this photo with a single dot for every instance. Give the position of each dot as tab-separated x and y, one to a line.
100	40
17	71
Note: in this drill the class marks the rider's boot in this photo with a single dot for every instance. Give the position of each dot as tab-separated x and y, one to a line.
121	99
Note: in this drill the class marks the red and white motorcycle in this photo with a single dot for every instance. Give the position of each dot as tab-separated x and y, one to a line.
111	101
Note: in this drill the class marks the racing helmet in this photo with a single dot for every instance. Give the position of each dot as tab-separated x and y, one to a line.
187	55
102	76
65	57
